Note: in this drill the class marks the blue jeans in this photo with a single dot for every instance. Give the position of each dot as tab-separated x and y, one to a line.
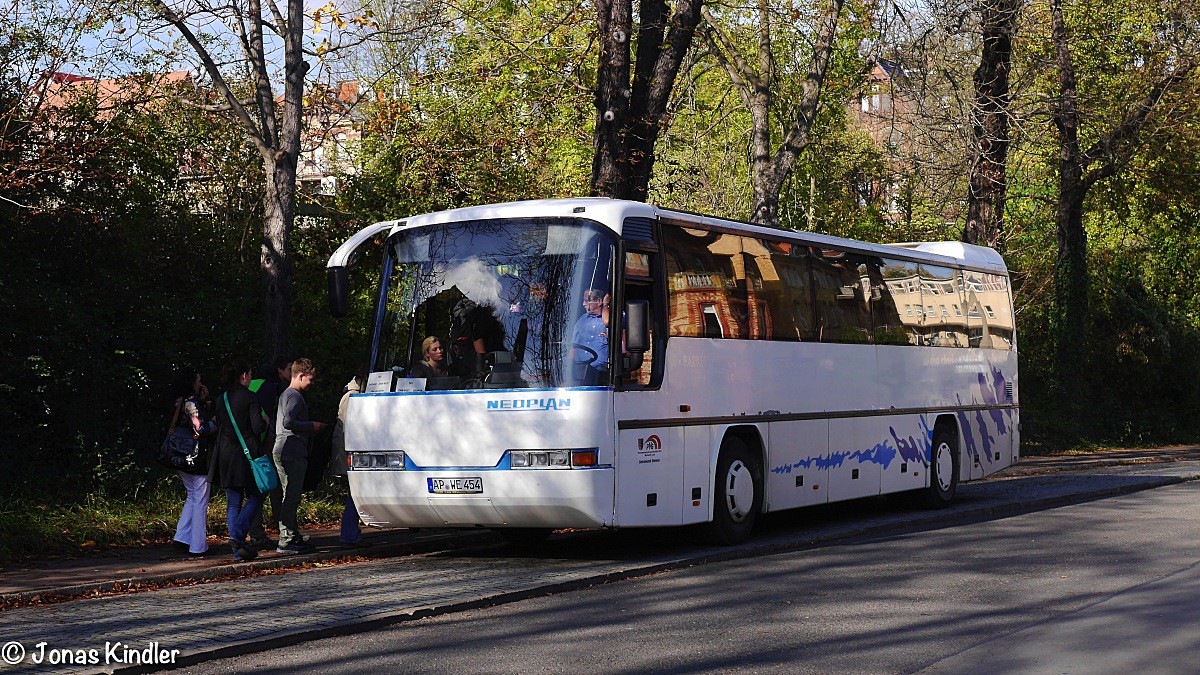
351	532
244	505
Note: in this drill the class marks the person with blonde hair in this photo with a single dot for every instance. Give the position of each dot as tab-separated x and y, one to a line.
433	363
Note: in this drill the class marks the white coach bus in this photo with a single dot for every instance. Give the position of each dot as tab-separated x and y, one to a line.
612	364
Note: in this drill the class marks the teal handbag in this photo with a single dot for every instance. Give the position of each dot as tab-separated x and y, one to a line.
264	469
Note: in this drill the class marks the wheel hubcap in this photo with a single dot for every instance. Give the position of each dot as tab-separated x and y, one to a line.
739	491
945	466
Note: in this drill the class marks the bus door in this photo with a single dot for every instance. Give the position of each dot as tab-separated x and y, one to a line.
650	462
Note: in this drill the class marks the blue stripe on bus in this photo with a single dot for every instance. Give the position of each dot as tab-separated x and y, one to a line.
505	464
479	391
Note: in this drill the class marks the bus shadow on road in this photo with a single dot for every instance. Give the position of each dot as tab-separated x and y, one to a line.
827	524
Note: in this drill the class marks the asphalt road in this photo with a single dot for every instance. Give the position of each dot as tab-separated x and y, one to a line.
1107	586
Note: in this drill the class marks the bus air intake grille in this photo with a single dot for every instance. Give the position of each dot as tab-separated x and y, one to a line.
638	229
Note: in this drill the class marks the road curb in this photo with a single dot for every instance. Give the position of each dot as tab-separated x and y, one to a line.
296	636
239	569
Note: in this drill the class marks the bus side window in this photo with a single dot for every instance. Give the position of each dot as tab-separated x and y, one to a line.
780	290
989	319
897	292
706	278
939	291
842	306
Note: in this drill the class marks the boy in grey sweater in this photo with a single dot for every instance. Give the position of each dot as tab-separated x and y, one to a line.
292	431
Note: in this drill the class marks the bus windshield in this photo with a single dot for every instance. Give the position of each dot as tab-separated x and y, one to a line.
505	299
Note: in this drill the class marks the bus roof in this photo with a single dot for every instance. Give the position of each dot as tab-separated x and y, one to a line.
612	214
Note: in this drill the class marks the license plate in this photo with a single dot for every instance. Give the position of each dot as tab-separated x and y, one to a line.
455	486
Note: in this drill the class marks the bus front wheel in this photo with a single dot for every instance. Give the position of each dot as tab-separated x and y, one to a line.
943	469
737	494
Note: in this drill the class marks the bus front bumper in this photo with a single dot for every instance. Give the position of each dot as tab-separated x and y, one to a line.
554	498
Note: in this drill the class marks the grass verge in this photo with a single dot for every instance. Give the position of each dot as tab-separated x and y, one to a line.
95	522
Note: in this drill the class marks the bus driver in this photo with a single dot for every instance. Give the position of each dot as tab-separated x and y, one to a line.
591	337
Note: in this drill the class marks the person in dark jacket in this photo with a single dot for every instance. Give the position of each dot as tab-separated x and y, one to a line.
274	378
433	363
230	468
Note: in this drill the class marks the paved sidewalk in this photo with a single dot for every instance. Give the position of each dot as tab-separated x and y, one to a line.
65	577
1029	466
278	610
59	578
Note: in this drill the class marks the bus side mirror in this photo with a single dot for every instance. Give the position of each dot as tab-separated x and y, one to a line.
637	332
339	291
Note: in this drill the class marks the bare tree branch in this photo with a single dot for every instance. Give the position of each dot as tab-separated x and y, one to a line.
214	73
214	108
1111	151
279	27
797	135
745	80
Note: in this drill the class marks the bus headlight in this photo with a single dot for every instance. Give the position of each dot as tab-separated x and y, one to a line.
552	459
393	460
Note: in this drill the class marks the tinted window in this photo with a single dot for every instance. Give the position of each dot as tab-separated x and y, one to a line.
941	325
896	303
988	312
781	289
707	279
842	285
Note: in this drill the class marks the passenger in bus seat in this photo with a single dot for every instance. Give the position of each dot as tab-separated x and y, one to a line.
433	359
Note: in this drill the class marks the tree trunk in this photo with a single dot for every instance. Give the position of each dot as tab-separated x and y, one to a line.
1070	269
275	136
769	171
762	164
629	118
610	176
989	184
1071	289
280	208
643	120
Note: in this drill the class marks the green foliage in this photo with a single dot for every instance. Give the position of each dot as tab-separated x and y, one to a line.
116	283
1136	386
70	524
495	112
130	246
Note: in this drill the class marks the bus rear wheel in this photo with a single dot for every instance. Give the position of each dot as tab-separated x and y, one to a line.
943	469
737	494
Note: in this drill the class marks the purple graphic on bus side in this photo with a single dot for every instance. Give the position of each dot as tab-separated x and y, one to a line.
978	436
994	396
913	448
968	433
